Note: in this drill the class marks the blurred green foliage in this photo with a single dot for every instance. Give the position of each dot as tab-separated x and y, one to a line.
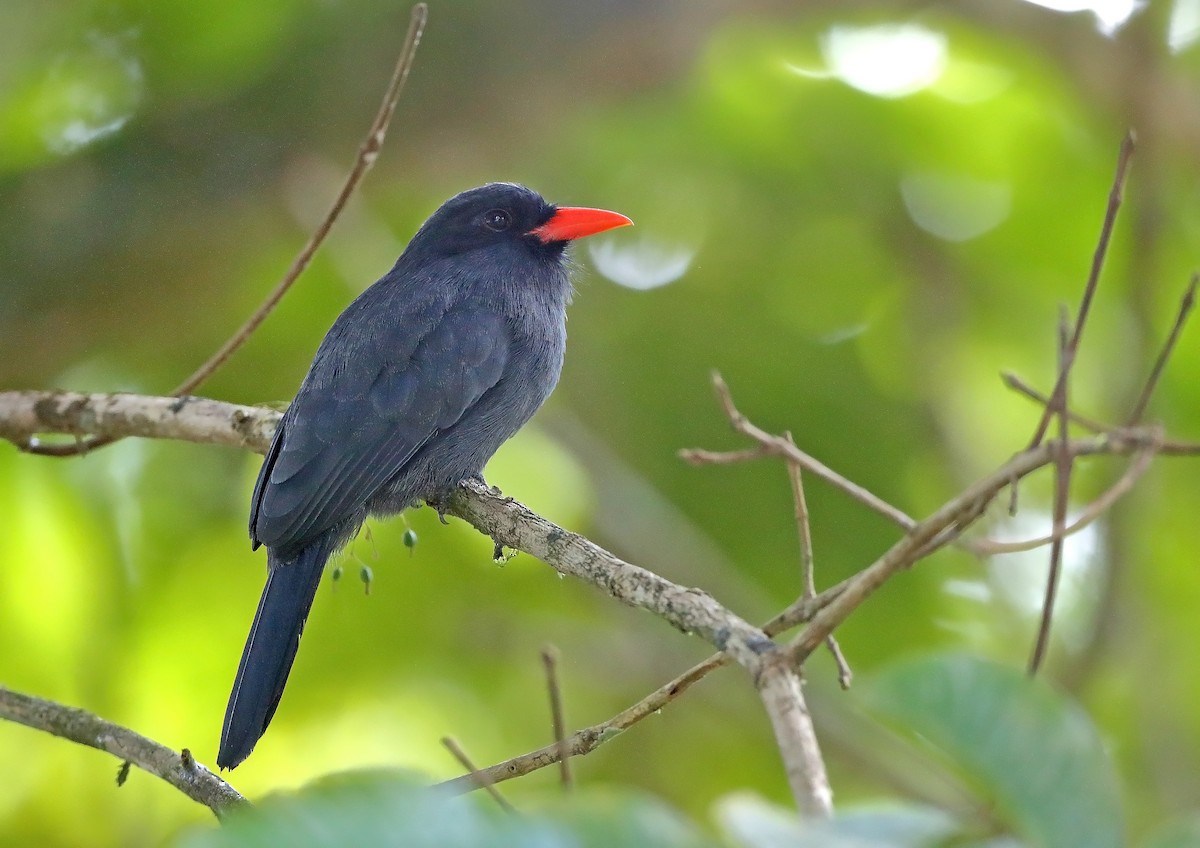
879	209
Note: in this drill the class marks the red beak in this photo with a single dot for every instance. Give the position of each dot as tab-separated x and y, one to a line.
572	222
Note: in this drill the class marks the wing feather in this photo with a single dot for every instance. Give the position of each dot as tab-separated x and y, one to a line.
348	434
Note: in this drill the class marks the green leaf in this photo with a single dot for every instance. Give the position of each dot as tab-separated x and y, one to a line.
752	822
387	808
1029	752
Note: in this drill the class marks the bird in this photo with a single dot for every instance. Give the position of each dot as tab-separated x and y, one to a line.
414	387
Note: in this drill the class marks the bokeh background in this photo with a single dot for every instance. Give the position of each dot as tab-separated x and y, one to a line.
860	212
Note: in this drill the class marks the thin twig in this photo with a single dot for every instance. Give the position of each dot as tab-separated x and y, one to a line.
700	456
368	152
803	529
177	768
1018	385
1062	484
479	777
917	542
1167	447
1138	467
845	674
1185	307
550	661
779	446
1115	196
807	576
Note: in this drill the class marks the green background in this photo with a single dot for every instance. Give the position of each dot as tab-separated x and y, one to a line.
860	267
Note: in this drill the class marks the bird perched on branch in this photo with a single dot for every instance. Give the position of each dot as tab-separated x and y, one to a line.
413	389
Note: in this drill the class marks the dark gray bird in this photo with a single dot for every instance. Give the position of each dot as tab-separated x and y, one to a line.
413	389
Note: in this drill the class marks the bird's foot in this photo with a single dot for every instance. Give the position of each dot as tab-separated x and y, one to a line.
439	503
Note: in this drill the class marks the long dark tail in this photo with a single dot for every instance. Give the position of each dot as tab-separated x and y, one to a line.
271	648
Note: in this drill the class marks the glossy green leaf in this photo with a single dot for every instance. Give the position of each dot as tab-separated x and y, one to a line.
381	809
1023	748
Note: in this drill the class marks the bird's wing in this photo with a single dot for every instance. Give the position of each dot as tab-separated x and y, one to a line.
361	415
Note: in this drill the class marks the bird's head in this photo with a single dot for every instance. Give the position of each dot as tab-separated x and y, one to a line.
507	215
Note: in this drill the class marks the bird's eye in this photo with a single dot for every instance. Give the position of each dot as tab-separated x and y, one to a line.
497	220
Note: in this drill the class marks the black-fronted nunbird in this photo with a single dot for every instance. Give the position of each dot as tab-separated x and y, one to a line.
415	386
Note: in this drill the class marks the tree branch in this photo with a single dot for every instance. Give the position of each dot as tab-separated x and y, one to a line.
23	415
179	769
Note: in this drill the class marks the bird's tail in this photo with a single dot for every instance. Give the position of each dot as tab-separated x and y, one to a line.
271	647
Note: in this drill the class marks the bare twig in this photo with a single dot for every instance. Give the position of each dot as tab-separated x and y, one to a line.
778	446
1138	467
959	509
550	661
803	529
368	152
1167	447
845	674
1062	488
1185	307
807	578
700	456
479	777
1018	385
84	728
1110	216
